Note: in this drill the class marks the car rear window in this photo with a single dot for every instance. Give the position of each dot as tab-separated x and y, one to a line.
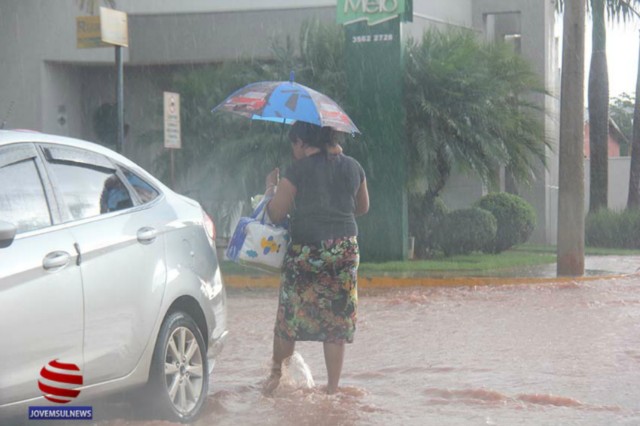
89	191
87	182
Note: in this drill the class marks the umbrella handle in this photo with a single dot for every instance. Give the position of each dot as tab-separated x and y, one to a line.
284	121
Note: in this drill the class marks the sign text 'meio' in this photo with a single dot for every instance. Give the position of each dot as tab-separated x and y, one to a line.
373	11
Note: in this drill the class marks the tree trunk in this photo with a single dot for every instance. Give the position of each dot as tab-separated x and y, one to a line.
598	110
633	201
570	255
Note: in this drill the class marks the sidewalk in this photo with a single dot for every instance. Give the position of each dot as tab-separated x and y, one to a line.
596	268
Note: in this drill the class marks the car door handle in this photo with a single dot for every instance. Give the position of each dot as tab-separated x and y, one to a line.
147	235
56	260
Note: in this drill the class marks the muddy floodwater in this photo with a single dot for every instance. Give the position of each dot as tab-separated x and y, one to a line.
543	354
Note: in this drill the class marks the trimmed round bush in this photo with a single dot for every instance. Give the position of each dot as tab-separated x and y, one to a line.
466	230
516	219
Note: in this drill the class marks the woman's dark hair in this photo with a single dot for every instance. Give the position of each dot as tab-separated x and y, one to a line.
310	134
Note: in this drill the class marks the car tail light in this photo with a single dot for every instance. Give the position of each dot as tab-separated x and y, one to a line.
209	226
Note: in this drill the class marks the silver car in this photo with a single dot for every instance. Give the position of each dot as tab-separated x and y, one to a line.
104	272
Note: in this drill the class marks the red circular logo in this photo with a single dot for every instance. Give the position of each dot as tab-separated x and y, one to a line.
59	381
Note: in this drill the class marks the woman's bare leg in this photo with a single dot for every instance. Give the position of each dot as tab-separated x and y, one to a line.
282	349
333	357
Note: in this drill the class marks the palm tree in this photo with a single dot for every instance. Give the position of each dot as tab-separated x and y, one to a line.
633	200
598	109
570	254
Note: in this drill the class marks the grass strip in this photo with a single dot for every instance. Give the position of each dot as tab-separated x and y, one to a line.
521	256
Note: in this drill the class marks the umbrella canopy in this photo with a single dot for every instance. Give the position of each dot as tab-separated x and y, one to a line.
287	102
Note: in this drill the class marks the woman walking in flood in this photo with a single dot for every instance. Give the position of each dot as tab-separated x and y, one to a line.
323	191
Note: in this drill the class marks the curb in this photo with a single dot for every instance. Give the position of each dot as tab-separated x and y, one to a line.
381	281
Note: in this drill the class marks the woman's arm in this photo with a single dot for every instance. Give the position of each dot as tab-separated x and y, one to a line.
282	202
362	199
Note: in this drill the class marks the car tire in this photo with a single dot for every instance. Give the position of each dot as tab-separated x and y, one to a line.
178	378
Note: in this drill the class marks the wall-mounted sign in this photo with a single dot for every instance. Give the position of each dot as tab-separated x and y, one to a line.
114	27
373	11
88	32
172	120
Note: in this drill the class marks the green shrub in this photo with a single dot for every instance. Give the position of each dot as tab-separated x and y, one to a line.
466	230
516	219
606	228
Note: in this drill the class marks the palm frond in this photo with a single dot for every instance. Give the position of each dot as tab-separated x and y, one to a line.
471	101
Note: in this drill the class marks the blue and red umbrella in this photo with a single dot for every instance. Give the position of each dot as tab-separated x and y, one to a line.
287	102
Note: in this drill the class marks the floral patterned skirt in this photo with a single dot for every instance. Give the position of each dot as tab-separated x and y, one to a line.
319	292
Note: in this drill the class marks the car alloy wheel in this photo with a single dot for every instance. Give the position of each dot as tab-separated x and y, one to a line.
179	372
183	369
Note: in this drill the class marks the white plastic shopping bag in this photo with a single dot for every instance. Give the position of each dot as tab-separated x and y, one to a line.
258	243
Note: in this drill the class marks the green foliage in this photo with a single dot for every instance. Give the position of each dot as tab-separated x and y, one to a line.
515	218
466	230
425	216
621	111
606	228
468	104
321	62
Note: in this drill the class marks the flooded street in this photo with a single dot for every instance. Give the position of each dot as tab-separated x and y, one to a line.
529	354
562	354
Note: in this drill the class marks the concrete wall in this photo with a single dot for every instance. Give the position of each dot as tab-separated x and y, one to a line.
162	7
442	15
215	37
61	83
462	190
618	184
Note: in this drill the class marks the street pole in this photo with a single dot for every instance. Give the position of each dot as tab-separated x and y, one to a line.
120	99
173	170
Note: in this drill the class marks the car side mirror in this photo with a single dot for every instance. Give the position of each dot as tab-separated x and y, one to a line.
7	233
